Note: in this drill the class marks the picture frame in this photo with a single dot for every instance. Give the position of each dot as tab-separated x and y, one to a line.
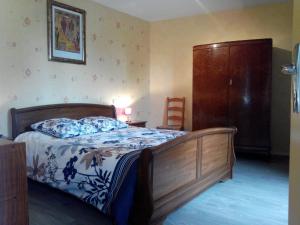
66	33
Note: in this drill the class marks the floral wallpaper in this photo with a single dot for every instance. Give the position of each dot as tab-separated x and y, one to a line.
117	60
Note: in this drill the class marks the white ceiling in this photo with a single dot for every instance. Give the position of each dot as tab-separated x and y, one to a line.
154	10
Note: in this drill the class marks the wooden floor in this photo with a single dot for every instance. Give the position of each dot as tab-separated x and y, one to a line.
48	206
258	195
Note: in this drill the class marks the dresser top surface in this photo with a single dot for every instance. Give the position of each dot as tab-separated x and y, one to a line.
5	142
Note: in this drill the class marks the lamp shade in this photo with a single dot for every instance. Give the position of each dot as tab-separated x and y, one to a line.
128	111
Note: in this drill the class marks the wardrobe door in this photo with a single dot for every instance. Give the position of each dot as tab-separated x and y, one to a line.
210	86
250	94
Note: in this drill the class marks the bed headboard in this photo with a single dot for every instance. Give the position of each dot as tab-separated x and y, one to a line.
23	118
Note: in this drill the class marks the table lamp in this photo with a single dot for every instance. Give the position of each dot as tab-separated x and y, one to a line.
128	112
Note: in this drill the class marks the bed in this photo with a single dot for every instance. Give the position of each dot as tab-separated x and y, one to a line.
167	175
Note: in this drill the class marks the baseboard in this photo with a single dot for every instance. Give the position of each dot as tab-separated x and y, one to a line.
264	157
280	157
284	154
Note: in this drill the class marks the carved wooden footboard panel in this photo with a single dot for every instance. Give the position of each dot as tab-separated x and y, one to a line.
175	172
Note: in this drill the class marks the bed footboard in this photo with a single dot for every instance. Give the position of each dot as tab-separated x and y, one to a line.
173	173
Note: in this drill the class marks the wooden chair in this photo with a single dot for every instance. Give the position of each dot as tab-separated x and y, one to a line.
174	117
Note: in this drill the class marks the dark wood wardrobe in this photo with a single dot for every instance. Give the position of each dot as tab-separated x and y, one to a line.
232	87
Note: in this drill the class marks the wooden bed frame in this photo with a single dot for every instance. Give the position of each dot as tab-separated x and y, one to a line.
170	174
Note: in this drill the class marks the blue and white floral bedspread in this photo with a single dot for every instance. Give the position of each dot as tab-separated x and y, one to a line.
91	167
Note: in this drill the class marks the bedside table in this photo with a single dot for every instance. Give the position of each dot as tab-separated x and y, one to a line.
13	180
137	123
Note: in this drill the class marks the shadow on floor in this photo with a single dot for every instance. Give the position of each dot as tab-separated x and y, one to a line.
48	206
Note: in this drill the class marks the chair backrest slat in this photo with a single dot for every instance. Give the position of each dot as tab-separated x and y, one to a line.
175	118
177	109
176	99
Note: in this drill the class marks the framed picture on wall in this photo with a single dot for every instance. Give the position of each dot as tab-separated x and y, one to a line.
66	33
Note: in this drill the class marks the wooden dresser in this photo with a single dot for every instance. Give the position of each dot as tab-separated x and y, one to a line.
13	184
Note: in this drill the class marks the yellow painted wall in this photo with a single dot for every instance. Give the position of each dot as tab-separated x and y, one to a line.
171	45
117	59
294	204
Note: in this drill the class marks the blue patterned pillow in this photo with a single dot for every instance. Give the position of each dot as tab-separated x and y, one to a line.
60	127
87	128
100	124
